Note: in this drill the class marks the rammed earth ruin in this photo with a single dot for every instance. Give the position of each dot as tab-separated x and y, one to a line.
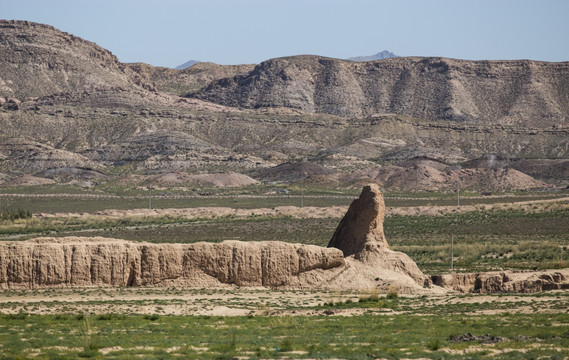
357	258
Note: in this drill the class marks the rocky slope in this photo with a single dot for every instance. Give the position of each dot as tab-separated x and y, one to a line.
181	179
22	155
506	92
429	178
38	60
190	79
67	103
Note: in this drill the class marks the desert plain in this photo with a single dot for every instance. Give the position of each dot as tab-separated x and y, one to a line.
210	212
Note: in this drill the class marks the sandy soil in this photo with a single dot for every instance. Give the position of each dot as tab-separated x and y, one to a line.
242	302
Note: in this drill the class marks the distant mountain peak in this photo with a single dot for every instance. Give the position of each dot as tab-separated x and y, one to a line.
385	54
187	64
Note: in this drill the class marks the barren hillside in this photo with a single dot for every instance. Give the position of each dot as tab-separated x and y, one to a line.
67	103
39	60
189	80
506	92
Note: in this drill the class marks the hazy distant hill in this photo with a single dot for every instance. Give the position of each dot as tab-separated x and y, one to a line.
187	64
385	54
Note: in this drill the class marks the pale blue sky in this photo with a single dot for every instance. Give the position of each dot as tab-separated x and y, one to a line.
170	32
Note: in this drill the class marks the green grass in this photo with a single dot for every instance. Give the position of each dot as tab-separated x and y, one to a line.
125	198
12	215
366	302
179	230
204	337
304	231
483	240
91	205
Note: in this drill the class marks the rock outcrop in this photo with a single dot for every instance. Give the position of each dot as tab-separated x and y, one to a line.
360	237
518	91
69	63
88	110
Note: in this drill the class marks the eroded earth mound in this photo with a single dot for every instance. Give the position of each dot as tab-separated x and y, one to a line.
75	261
363	224
357	258
505	281
365	264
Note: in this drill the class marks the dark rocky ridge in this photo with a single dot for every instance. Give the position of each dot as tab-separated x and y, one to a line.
509	92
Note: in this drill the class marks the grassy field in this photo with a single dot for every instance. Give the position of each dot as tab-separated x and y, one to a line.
524	336
57	198
484	240
124	323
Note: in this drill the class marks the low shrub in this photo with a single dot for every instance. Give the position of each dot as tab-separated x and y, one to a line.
15	214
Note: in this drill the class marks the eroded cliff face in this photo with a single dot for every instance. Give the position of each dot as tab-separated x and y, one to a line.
76	261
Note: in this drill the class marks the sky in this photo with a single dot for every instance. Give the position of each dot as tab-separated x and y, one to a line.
171	32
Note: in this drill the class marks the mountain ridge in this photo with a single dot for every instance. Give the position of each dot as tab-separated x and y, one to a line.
38	60
429	88
67	105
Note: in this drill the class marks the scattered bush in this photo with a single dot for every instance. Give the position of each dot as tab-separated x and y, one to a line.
434	344
15	214
370	296
392	293
18	316
285	345
152	317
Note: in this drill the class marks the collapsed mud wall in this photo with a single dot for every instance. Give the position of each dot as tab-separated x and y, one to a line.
505	281
111	262
357	258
